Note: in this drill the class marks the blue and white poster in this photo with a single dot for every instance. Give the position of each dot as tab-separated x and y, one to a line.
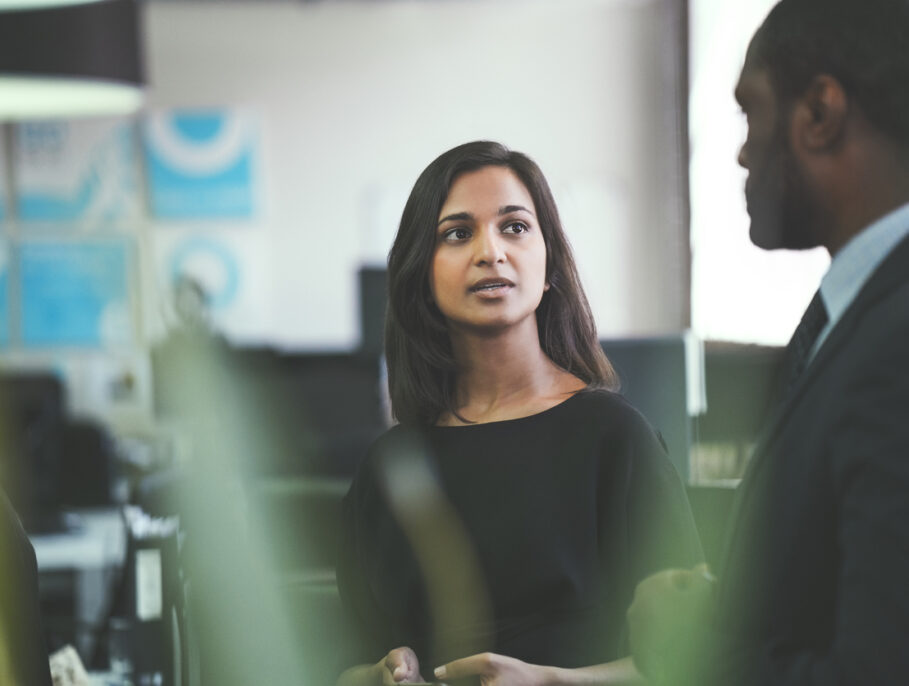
4	201
75	294
212	265
233	269
4	293
201	164
77	172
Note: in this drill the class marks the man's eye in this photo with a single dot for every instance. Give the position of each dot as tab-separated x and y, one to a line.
516	227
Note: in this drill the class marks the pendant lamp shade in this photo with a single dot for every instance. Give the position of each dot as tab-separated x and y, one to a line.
70	60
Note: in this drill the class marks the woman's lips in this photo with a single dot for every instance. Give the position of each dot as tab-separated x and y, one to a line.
491	288
491	291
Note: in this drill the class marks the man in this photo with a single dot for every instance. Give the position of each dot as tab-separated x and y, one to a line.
814	586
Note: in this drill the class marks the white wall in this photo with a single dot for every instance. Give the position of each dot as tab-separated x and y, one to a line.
739	292
355	99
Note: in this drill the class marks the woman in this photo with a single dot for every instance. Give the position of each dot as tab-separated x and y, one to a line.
556	494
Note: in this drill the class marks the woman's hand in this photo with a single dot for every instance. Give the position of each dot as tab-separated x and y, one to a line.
400	666
496	670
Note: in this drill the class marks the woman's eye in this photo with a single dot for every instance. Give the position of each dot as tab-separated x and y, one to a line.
516	227
456	234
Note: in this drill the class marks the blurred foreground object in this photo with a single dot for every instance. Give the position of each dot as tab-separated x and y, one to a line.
23	656
242	627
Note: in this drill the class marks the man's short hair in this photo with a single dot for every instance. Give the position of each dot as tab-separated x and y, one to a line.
864	44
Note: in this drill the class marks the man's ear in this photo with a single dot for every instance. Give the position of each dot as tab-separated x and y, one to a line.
819	117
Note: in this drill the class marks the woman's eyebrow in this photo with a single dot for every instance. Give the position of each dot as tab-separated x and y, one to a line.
467	216
508	209
457	217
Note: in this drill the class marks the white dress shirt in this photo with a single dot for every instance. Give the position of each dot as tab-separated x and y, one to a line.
856	261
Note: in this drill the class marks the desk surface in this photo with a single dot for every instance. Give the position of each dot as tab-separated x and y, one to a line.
98	542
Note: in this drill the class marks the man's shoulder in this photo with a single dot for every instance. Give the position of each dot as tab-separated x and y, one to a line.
887	285
876	325
881	319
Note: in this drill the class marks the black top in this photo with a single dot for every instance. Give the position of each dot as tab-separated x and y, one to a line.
566	511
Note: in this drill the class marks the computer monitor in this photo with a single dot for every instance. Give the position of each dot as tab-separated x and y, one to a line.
31	446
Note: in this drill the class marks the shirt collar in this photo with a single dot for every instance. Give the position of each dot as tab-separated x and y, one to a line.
856	261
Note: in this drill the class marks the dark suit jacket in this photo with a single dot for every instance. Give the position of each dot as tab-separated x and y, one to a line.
20	620
814	588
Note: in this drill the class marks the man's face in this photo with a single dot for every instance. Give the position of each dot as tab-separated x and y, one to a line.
776	192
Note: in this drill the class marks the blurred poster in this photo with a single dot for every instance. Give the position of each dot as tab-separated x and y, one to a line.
82	171
231	271
4	201
4	293
75	294
201	163
212	264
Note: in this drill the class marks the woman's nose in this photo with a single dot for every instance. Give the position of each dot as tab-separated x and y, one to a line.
489	247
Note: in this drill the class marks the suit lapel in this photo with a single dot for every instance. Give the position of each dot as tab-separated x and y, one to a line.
889	275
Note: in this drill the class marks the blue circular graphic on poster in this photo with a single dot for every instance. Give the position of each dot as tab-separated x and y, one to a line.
200	164
212	264
201	128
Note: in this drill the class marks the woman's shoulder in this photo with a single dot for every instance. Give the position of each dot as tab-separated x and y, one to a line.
616	423
608	407
391	436
392	441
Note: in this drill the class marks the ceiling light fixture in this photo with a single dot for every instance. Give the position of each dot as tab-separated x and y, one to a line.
70	59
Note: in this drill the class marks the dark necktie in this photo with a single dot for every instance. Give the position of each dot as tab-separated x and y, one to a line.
799	348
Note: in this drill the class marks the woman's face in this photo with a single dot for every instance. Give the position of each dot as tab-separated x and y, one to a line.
488	271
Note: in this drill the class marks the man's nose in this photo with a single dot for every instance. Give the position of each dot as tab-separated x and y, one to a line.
743	156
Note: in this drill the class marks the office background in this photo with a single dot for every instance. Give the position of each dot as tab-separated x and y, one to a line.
269	165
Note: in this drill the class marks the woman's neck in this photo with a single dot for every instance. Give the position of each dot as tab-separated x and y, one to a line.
505	376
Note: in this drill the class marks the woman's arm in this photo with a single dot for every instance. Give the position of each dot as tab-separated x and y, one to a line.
499	670
617	673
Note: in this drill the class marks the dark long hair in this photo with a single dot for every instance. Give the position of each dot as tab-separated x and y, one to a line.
421	366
